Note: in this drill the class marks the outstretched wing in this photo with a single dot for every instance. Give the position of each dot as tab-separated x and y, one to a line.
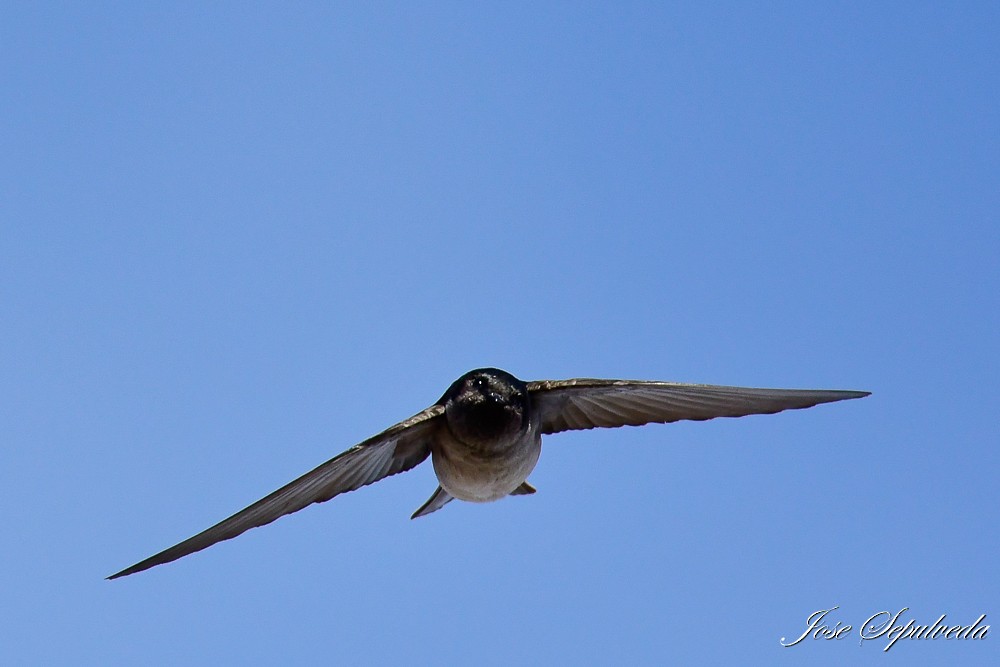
396	449
584	403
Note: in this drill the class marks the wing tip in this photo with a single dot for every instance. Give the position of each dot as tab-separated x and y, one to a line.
150	562
822	397
124	573
847	395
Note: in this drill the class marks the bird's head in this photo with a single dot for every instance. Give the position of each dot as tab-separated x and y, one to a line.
487	408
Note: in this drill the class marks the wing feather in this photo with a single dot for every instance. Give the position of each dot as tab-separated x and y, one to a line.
589	403
396	449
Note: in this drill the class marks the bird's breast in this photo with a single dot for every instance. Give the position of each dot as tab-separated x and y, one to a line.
481	476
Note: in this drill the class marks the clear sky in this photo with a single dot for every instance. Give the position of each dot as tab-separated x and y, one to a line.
236	240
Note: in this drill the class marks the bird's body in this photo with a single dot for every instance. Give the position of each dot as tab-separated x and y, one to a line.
484	437
490	443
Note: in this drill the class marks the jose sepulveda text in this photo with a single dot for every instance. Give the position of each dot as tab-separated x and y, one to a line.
887	626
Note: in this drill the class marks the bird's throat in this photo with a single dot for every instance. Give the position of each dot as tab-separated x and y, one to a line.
487	427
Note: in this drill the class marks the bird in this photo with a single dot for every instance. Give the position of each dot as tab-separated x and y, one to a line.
484	437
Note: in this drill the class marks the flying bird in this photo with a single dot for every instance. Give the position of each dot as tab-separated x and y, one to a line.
484	436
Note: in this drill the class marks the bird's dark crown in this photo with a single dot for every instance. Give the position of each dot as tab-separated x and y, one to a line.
486	380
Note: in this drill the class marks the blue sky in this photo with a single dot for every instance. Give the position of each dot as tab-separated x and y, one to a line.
235	240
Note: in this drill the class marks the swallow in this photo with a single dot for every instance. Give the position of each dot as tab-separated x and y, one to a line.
484	436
